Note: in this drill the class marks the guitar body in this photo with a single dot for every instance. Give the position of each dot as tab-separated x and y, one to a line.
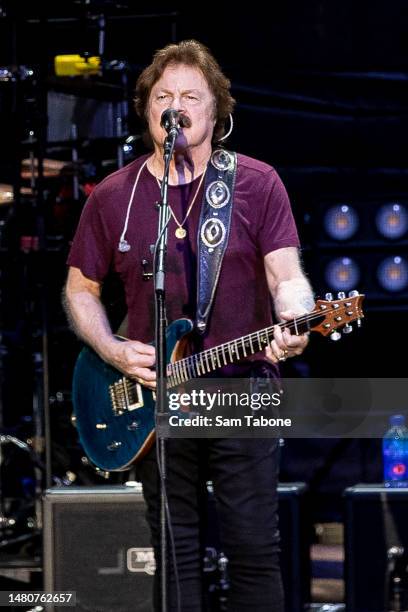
114	439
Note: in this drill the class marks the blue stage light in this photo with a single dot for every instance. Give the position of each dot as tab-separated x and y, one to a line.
341	222
392	274
392	220
342	274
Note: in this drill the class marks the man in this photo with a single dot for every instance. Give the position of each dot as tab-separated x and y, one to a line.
117	228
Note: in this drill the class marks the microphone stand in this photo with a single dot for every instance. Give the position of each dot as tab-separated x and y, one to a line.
161	350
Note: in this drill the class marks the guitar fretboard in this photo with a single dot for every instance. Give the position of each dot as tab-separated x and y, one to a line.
228	353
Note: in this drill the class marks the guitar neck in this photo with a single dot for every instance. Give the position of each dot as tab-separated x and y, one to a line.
326	318
231	352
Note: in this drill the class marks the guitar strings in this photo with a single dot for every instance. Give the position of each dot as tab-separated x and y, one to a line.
222	350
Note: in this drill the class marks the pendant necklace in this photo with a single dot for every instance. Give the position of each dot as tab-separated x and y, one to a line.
181	232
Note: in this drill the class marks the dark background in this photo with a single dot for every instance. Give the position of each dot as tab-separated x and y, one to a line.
321	89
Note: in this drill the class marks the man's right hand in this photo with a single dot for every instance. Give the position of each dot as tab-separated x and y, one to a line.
134	359
88	317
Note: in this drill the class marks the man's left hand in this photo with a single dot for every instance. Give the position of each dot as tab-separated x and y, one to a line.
285	344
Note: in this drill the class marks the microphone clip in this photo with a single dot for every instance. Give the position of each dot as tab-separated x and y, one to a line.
171	121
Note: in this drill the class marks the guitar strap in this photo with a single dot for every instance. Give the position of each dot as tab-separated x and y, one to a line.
214	229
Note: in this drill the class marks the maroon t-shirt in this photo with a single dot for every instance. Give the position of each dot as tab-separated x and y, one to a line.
262	221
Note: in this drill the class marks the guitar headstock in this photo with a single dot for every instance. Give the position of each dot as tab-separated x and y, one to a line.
330	315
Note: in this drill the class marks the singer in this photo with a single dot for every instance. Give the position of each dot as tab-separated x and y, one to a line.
261	261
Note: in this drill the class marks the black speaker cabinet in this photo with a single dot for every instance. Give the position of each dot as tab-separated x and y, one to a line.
97	543
375	521
295	545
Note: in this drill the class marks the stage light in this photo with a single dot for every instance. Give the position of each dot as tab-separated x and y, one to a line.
341	222
392	220
342	274
392	274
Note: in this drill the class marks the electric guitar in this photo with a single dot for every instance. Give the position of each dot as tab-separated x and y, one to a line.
115	416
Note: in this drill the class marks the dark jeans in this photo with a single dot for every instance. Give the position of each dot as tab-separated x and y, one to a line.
244	474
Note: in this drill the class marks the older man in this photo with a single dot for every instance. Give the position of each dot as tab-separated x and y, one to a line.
117	227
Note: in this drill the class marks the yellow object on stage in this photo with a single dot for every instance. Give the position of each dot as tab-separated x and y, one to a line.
76	65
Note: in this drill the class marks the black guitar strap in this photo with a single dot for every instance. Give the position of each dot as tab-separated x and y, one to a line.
214	229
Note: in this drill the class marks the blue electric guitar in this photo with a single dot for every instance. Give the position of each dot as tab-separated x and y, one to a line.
114	415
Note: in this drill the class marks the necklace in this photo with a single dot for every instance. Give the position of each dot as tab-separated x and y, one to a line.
181	232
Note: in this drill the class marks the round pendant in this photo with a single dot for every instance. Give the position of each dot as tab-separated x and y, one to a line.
180	233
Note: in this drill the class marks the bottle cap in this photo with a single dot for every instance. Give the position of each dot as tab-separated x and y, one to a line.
397	419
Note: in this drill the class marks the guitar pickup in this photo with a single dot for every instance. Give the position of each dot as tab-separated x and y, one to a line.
125	395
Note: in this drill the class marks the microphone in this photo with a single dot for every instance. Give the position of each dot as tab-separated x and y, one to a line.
171	120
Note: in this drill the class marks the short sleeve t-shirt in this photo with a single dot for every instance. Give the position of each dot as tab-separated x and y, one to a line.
262	222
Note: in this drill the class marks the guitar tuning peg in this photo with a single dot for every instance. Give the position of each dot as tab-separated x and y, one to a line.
353	293
341	295
347	329
335	336
328	297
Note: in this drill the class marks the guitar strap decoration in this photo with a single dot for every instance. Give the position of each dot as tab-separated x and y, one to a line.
214	229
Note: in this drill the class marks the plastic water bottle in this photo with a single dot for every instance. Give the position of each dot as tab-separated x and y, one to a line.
395	453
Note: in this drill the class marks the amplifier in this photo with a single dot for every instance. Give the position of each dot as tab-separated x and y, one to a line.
97	543
295	529
376	527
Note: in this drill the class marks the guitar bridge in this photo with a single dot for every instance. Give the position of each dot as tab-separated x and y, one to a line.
125	395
